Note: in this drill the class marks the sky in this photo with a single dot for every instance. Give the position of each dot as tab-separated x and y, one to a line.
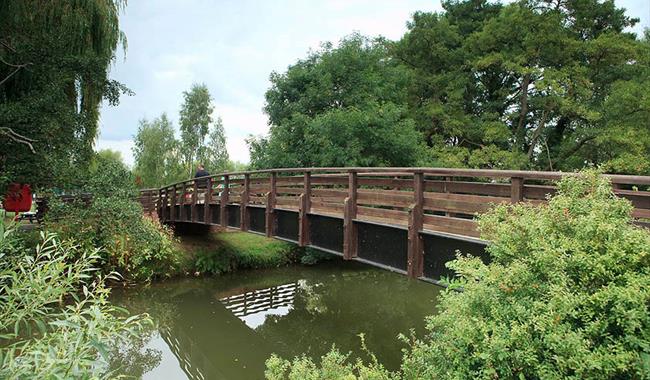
233	46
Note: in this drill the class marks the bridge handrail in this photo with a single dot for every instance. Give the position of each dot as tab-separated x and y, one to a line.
419	200
492	173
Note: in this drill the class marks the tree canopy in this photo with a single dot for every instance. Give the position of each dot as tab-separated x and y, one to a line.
340	106
531	85
54	61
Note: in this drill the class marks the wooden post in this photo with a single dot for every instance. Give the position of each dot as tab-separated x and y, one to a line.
415	244
516	189
349	214
159	204
195	196
243	206
181	203
224	202
447	180
270	206
172	212
303	211
207	199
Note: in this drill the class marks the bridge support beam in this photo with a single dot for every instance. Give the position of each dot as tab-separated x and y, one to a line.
195	196
172	211
224	202
415	244
207	199
270	206
304	207
350	233
516	189
243	205
181	211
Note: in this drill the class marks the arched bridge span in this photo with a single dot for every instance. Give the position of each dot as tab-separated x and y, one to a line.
411	220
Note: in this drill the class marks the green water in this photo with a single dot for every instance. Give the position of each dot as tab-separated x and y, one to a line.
226	327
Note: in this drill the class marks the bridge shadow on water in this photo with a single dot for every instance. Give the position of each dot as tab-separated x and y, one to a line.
226	327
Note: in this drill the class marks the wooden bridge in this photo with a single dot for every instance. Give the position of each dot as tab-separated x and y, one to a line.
410	220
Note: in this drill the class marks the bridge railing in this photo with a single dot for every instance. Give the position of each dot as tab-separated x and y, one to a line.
421	200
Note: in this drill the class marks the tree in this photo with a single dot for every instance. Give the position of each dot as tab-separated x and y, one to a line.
340	106
54	62
517	86
157	154
195	119
216	154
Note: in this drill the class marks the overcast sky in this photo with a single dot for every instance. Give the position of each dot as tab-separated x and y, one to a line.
232	47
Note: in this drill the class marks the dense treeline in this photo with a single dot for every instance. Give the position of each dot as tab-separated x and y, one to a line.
534	84
54	62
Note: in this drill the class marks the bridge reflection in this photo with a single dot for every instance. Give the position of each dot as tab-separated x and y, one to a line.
252	307
226	327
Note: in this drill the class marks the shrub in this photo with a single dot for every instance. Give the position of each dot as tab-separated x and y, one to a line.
566	295
47	329
134	245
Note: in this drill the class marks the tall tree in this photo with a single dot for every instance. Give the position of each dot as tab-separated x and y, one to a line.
340	106
521	85
195	119
54	62
216	153
156	153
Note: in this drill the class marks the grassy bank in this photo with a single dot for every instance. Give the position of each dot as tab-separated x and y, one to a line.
226	251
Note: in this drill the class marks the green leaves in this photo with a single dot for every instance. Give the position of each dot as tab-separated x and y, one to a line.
341	106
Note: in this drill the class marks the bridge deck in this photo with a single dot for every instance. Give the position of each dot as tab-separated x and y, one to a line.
334	208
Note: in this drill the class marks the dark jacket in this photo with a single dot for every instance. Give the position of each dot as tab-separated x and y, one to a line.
201	173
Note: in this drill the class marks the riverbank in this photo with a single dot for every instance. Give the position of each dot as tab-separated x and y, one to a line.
220	251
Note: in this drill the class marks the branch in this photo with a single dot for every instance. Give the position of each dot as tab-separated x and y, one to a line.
571	151
17	68
17	137
537	132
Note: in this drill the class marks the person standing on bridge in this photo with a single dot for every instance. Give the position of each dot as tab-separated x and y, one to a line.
201	182
201	172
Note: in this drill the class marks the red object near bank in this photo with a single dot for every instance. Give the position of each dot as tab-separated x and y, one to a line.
18	198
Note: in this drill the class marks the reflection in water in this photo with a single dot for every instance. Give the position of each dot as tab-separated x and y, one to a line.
254	306
226	327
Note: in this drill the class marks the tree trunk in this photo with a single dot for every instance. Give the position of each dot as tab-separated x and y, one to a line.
520	132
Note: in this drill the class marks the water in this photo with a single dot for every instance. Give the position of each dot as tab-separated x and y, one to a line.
226	327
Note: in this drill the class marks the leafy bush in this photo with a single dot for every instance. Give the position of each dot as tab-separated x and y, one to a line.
566	295
314	256
47	329
136	246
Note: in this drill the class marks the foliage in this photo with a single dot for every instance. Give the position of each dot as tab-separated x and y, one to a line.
314	256
340	106
44	337
157	154
195	121
137	247
333	365
54	62
531	84
161	159
216	153
107	176
565	296
232	250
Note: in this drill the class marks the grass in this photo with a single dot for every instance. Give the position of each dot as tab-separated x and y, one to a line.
224	252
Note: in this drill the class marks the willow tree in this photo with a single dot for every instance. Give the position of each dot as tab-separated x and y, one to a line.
54	63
